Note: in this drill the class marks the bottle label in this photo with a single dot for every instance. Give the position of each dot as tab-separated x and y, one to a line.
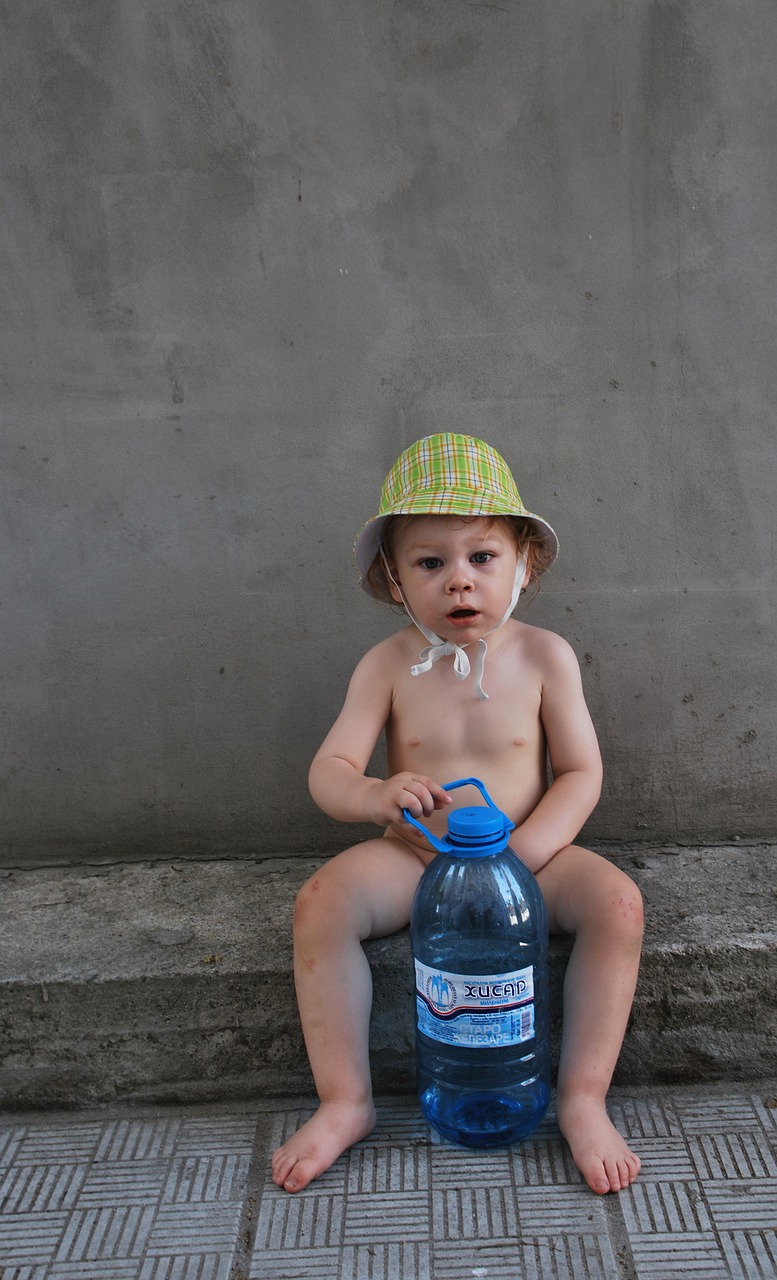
475	1011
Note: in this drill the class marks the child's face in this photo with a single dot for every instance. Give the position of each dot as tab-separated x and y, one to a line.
457	574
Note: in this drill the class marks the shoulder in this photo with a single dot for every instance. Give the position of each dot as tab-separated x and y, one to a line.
389	651
381	665
553	657
546	646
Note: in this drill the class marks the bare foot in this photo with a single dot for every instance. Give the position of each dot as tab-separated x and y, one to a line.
315	1146
598	1150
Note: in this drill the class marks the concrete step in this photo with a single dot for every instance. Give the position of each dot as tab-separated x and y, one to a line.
172	981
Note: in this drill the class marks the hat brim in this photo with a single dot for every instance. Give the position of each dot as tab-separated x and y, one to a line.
368	540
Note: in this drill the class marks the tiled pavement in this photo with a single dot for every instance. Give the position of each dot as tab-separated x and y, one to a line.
184	1194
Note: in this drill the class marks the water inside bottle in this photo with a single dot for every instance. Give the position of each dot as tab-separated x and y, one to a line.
484	1119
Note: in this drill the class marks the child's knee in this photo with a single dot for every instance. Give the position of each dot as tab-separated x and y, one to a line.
327	903
625	911
311	903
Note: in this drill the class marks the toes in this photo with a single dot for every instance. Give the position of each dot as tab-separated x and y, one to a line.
287	1176
612	1175
627	1170
282	1165
595	1174
292	1172
633	1166
607	1175
280	1172
300	1175
613	1168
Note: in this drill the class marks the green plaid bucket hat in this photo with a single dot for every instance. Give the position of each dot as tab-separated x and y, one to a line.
446	474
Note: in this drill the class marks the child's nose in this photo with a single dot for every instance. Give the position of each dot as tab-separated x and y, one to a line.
460	578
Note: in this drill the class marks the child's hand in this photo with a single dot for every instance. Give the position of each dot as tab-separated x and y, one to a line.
413	791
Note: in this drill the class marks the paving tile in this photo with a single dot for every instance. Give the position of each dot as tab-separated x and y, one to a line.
765	1108
492	1258
745	1206
112	1232
453	1213
94	1269
41	1188
42	1144
702	1205
203	1179
186	1266
668	1257
663	1158
379	1169
455	1167
569	1257
720	1114
122	1182
25	1273
732	1155
751	1255
137	1199
529	1257
645	1117
26	1238
408	1260
474	1213
560	1210
662	1208
187	1195
123	1140
544	1162
296	1264
387	1215
10	1138
216	1134
289	1223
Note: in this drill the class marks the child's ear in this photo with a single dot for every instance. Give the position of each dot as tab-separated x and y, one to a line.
392	579
529	566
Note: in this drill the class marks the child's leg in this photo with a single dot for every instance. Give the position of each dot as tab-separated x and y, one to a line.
596	902
365	892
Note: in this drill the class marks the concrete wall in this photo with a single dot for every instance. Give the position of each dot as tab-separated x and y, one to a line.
251	250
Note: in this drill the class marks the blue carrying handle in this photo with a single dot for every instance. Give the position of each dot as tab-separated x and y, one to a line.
444	846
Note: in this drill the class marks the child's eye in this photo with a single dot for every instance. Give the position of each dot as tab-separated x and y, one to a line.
482	557
430	562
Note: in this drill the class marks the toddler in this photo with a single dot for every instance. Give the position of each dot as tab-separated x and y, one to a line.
465	690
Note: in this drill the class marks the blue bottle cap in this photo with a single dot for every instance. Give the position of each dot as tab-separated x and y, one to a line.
472	833
477	825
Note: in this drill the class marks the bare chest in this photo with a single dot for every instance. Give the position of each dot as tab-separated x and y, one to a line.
441	724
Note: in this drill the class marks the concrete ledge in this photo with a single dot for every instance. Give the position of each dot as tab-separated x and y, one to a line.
172	981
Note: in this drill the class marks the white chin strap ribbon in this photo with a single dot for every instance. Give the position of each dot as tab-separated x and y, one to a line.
439	648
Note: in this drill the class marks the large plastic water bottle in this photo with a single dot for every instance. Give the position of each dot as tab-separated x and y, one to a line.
480	941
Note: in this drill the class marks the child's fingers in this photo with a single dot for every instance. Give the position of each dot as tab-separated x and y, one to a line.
428	795
441	797
414	804
435	795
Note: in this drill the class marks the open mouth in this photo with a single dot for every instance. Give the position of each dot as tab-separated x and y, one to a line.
461	615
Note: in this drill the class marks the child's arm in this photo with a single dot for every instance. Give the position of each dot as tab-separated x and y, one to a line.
574	756
337	779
